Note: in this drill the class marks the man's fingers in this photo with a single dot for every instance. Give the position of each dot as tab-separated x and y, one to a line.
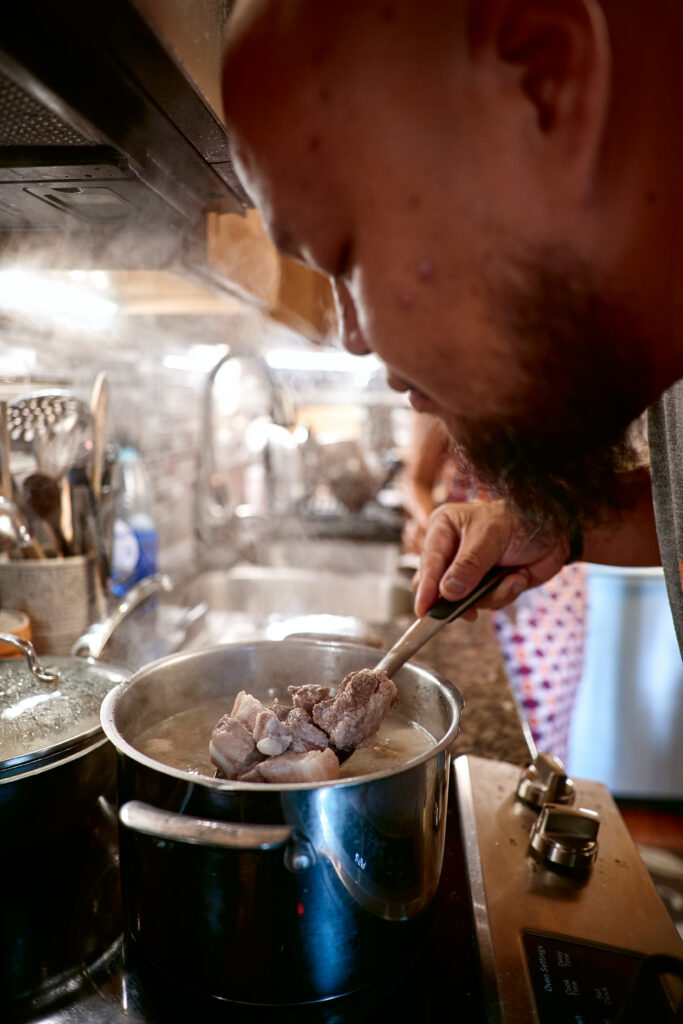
440	543
463	542
479	550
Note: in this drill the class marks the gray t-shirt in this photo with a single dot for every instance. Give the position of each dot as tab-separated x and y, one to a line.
665	437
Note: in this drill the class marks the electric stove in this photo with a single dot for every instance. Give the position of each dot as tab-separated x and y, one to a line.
545	913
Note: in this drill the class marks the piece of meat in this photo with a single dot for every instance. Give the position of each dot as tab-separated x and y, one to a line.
311	766
305	735
232	747
300	743
246	709
357	709
280	710
271	736
307	695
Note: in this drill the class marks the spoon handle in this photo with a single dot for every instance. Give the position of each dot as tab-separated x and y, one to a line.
441	613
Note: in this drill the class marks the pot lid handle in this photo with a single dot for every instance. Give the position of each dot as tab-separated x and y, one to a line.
96	638
45	675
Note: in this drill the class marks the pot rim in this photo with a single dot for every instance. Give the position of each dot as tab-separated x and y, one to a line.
23	769
85	734
108	711
56	752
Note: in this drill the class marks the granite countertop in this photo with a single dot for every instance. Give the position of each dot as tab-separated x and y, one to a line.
469	656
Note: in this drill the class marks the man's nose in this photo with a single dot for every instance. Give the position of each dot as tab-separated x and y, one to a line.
351	334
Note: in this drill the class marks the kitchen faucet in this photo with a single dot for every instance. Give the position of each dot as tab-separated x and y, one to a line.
217	506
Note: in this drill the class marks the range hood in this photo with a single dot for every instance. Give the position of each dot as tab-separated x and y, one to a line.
112	150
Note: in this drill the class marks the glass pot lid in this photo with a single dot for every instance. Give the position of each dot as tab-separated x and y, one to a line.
48	706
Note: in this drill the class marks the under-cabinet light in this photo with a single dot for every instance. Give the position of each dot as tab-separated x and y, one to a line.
35	293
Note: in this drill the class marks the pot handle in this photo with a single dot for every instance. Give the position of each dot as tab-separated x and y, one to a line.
181	828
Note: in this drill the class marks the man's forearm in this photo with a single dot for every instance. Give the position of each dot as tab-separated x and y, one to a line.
629	536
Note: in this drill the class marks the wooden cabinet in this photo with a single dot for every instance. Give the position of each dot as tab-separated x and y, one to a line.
240	255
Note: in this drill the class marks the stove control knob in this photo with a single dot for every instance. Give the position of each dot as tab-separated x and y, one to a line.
565	837
545	781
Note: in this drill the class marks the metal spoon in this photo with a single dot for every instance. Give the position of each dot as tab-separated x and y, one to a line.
15	535
52	425
441	613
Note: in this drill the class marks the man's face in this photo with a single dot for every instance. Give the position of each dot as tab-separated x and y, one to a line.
366	157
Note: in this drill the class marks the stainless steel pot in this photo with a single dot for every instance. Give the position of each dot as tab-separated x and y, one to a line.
276	894
58	827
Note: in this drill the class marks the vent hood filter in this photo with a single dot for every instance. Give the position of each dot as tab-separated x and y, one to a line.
101	128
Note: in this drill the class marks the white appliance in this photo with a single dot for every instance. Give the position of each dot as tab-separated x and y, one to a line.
627	729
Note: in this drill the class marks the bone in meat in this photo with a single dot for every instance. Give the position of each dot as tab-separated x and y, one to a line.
232	747
357	709
310	766
271	736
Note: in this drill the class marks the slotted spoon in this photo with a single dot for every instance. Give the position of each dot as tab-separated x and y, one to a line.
53	425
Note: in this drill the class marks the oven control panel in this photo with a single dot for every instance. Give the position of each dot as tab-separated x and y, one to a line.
569	925
578	982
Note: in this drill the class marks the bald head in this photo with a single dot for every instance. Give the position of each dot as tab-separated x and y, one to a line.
484	180
300	79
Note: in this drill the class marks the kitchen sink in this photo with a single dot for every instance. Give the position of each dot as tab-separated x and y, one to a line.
267	590
336	555
270	602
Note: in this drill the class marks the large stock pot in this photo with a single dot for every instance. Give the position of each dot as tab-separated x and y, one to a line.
276	894
61	905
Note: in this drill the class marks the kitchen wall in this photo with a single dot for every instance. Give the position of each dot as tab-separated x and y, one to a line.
157	368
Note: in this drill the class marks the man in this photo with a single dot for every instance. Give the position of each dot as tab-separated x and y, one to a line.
494	187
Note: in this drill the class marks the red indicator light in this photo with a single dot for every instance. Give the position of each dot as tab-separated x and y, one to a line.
300	909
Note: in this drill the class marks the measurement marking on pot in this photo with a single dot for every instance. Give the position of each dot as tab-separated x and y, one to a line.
360	862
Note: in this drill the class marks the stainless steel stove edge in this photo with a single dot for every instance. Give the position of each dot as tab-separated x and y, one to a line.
614	906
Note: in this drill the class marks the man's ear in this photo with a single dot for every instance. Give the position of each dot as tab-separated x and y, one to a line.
560	52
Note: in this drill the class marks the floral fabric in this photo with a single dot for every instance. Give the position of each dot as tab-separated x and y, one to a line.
542	637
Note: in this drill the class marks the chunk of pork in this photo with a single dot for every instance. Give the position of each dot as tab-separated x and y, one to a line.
246	709
305	735
308	695
232	747
310	766
357	709
280	710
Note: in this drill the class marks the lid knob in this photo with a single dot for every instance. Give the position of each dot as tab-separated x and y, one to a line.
45	675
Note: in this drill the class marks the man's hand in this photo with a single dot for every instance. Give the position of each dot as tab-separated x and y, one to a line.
465	540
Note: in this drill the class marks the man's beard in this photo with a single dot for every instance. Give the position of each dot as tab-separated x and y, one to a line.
557	452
